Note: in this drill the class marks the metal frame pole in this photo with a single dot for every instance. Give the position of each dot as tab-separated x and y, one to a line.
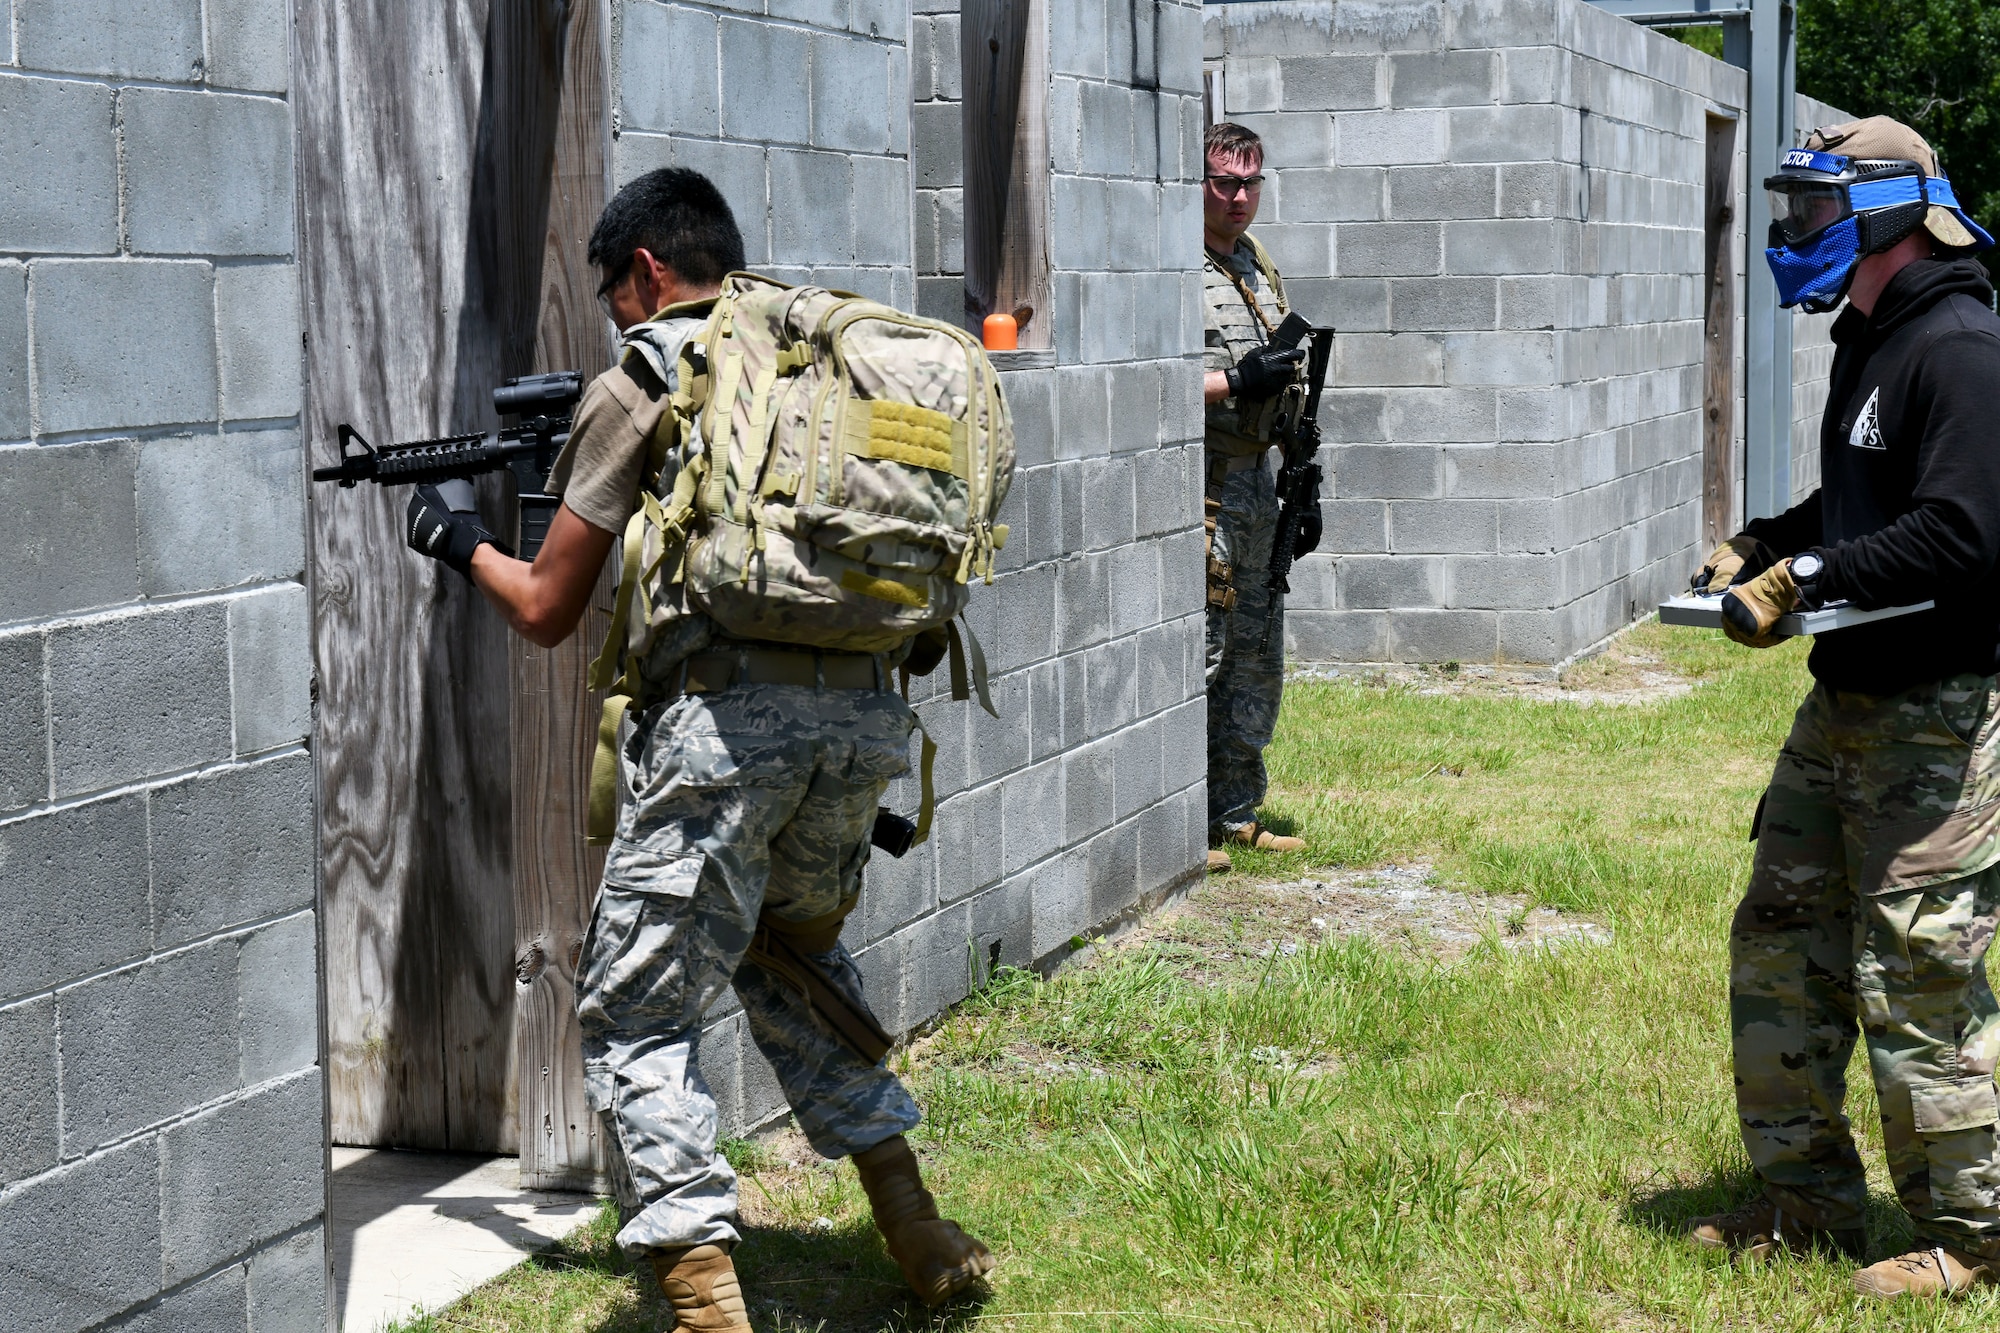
1767	405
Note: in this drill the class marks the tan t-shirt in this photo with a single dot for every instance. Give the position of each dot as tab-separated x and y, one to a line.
599	471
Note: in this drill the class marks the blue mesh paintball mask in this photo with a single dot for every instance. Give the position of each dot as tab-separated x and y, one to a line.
1827	211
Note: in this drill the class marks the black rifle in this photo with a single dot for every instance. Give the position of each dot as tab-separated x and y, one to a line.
545	405
1296	432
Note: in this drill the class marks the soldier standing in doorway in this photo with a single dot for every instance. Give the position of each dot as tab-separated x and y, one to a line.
1243	304
1876	887
750	793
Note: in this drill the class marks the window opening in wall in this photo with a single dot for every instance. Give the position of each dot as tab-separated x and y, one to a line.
1211	95
1003	61
1718	406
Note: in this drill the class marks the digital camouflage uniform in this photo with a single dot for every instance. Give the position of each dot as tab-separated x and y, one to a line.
752	799
1872	902
1246	663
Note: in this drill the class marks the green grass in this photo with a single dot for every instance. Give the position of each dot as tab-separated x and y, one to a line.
1356	1135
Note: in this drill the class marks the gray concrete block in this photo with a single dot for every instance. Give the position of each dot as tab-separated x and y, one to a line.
1386	471
74	898
763	69
207	173
1140	779
1353	416
29	1133
1294	139
257	317
820	13
937	149
1389	138
738	171
882	210
1442	192
1488	23
1337	636
1503	471
216	1304
1031	804
1030	398
1331	83
1512	246
1135	416
68	1256
1111	873
1443	527
1111	686
1388	582
1445	416
1077	40
1369	359
152	39
1443	636
241	1173
1514	358
1131	222
1532	636
1177	47
250	44
1079	240
1529	74
1252	84
278	995
1083	422
220	510
271	668
968	829
147	1043
1442	78
1358	526
1106	111
1507	133
14	416
1503	582
1388	249
58	171
1445	303
165	362
820	234
1537	189
24	732
232	846
1328	194
888	19
288	1285
1304	248
1349	304
138	695
850	87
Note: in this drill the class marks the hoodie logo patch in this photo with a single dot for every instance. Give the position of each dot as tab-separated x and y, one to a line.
1867	432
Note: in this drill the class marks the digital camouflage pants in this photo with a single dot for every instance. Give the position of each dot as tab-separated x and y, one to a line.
1245	670
1871	905
752	799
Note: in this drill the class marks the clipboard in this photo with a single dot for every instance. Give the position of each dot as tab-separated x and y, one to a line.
1705	612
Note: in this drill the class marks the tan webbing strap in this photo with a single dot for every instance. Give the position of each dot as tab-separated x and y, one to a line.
963	648
1270	272
723	405
602	821
928	804
786	956
753	454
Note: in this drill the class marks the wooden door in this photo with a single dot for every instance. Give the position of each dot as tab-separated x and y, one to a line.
1718	407
426	139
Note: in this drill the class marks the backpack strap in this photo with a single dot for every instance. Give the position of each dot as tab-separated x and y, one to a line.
1270	272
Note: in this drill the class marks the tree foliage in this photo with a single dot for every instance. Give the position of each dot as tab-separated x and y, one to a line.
1932	64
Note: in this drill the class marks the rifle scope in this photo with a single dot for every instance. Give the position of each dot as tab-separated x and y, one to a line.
538	395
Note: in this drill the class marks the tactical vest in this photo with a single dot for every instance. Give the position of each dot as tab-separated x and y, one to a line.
1237	318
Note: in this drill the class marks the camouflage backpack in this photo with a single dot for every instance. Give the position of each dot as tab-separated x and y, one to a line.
827	474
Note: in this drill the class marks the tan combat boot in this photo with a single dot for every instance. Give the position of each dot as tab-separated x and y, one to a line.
1218	862
1937	1271
700	1283
938	1260
1256	835
1761	1229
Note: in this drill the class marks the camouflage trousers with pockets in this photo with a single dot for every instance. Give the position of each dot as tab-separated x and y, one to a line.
1245	670
1874	896
754	799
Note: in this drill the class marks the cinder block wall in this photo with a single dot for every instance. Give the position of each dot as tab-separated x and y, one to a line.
1499	202
1086	796
161	1112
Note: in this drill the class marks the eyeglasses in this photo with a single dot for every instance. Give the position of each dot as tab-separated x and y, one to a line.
611	285
1227	186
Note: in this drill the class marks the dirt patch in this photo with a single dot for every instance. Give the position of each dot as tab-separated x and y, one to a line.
1228	921
1623	674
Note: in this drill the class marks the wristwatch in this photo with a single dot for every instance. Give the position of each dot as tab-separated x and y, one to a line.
1806	571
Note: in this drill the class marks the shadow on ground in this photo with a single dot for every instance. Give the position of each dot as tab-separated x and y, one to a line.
1672	1210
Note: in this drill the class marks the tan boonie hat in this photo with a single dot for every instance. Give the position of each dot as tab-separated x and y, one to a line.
1878	138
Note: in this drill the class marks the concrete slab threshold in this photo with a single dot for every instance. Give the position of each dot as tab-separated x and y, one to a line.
414	1231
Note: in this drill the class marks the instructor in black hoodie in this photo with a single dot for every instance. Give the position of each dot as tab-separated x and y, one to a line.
1876	886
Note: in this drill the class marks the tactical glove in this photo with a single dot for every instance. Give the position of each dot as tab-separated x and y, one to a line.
1263	371
1741	557
447	526
1750	610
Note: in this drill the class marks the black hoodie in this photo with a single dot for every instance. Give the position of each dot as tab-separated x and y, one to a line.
1908	508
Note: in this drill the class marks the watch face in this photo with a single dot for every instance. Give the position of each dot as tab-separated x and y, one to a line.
1807	566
